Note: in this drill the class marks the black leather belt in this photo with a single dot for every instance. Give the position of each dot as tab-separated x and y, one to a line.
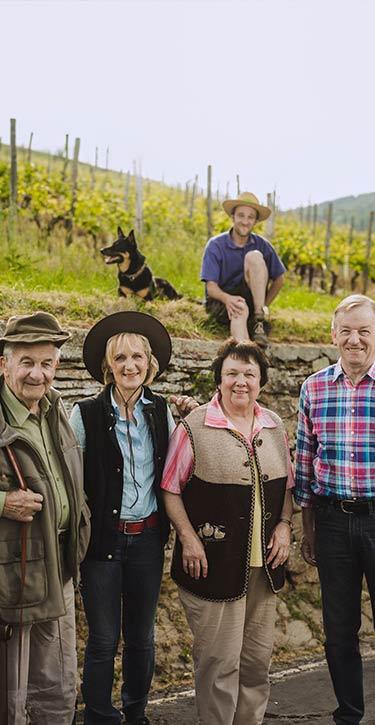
360	507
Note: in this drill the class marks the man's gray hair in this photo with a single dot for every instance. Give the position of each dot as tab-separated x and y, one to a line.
10	347
348	303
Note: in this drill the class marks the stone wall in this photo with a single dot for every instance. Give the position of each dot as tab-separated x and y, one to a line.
189	372
299	630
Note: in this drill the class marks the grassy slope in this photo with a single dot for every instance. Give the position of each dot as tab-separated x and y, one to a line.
73	282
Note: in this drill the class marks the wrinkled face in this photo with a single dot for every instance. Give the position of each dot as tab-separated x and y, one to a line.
244	218
354	335
129	364
240	383
29	372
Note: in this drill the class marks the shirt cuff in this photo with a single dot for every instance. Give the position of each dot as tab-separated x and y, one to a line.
2	501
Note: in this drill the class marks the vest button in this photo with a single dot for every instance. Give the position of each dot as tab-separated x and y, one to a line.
259	442
114	511
247	463
118	470
109	556
265	477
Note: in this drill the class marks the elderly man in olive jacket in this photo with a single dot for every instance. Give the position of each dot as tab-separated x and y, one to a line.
44	527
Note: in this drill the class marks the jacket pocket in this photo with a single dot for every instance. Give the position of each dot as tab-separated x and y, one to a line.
84	532
35	587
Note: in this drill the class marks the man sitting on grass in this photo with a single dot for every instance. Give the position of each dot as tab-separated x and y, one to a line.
242	271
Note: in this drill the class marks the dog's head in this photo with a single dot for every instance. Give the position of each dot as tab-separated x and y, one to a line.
124	252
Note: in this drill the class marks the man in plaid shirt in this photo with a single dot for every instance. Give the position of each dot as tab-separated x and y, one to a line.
335	485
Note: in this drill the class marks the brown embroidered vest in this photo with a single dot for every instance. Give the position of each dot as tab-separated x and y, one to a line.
219	501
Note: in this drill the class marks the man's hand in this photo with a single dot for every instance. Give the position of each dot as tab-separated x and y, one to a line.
308	548
278	545
236	307
194	559
184	404
22	505
308	538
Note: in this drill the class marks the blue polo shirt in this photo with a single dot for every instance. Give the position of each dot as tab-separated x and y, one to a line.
223	260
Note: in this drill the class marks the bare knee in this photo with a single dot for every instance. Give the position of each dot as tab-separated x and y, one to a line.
254	260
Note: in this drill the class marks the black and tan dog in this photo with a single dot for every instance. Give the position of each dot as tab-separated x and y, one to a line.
134	276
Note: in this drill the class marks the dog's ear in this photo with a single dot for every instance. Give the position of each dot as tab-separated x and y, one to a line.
120	233
131	238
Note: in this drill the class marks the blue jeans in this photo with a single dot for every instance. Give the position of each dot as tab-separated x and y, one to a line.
121	595
345	551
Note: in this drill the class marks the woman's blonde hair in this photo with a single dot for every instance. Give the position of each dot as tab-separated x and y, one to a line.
116	342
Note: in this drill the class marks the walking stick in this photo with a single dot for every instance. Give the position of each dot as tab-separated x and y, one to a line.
5	634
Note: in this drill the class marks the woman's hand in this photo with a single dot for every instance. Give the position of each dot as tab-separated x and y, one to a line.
184	404
194	560
278	545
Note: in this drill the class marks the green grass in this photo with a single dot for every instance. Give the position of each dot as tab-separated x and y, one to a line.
38	270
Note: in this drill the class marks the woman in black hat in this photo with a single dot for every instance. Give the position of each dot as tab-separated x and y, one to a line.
124	433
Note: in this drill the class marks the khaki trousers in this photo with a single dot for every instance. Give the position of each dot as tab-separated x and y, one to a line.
232	650
47	687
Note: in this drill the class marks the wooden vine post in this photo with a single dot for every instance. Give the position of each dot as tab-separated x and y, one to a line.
346	264
327	243
13	181
139	203
314	219
186	197
368	252
77	144
66	157
29	148
270	223
126	191
193	195
209	201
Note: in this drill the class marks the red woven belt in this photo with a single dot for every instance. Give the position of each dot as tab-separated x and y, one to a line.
136	527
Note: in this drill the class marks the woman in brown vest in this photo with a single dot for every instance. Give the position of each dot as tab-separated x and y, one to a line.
227	483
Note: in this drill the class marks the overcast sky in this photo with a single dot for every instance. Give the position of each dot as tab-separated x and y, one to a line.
280	92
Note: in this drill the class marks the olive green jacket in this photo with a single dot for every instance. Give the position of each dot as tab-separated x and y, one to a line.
49	565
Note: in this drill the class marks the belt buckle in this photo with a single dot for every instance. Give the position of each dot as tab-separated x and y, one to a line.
342	506
131	533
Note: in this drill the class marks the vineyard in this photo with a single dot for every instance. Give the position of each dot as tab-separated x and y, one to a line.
50	241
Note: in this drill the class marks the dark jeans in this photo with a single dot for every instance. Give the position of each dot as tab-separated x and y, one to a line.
345	550
121	595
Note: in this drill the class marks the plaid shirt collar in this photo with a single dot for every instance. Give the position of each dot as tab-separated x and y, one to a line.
338	370
215	417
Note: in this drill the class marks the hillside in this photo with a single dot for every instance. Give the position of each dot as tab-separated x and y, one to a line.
344	209
50	250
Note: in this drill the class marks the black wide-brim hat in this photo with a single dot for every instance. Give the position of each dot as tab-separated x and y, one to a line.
131	322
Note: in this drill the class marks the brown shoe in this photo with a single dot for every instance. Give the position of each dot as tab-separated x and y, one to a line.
259	333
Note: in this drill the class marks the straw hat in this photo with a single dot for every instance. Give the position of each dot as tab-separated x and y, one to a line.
133	322
247	199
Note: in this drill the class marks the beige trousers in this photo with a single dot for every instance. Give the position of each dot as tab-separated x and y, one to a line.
232	650
47	687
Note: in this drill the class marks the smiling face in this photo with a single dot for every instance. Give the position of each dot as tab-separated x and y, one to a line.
244	217
240	384
29	371
129	363
354	335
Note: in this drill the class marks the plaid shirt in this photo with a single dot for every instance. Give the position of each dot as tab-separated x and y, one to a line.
336	437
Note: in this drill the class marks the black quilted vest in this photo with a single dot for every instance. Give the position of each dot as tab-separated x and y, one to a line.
104	467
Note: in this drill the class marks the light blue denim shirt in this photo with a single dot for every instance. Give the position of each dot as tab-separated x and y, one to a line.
143	457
